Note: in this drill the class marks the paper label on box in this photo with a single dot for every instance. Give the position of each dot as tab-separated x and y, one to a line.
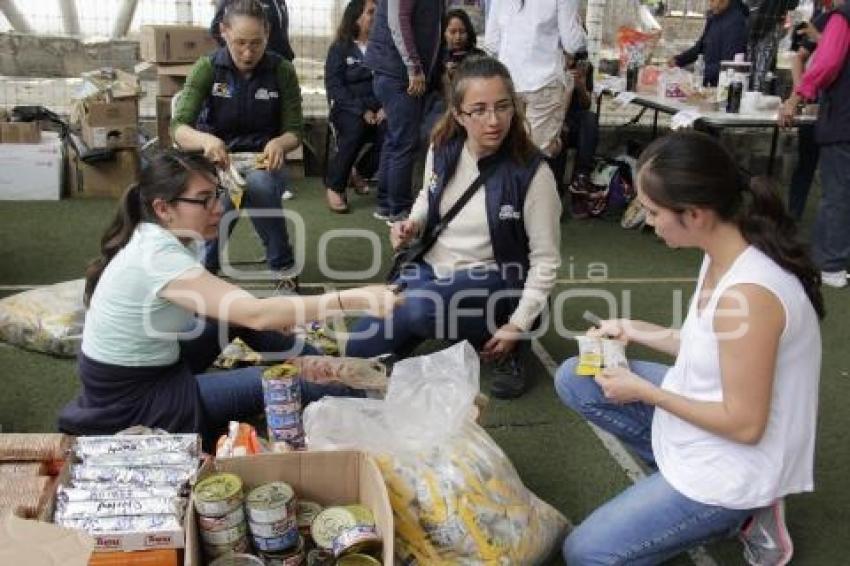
684	118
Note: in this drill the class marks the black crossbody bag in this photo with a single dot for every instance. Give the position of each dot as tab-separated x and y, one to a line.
416	249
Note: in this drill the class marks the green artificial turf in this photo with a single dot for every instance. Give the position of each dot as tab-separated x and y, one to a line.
556	454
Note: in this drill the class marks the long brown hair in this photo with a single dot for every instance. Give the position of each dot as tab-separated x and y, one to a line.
693	169
165	177
349	29
517	142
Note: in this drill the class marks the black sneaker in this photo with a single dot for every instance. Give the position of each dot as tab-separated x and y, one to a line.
512	384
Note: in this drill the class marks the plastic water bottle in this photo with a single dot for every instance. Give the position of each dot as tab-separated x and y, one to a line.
699	72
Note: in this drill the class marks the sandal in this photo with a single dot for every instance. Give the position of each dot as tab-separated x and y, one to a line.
336	201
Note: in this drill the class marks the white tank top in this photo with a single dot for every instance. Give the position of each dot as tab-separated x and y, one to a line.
716	471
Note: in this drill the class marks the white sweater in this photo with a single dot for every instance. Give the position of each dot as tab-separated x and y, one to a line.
465	242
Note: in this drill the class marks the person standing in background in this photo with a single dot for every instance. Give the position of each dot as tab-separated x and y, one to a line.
475	9
767	19
829	75
356	115
278	18
724	35
530	38
808	151
403	53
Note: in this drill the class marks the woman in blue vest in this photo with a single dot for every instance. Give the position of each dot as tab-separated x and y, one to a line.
243	98
356	115
488	276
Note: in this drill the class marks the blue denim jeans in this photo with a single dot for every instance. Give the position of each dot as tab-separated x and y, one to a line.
650	521
453	308
404	113
831	238
264	191
237	395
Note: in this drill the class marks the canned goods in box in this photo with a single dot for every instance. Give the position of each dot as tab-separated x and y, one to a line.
232	519
224	536
271	530
277	544
332	522
218	494
270	502
237	560
356	539
306	512
294	557
320	557
358	560
216	550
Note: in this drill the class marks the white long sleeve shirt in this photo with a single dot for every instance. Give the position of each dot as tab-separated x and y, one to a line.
465	243
530	40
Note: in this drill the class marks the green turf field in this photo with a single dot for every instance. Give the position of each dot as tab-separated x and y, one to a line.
557	455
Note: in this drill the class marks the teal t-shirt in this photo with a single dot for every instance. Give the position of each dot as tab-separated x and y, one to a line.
127	323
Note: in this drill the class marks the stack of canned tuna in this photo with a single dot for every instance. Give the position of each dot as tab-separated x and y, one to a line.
272	521
345	535
282	396
218	501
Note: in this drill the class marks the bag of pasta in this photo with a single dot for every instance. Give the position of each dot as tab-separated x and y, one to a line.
456	497
48	319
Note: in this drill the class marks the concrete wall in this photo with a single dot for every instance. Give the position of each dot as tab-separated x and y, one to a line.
24	55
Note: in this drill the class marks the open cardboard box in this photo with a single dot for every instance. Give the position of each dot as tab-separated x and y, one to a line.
329	478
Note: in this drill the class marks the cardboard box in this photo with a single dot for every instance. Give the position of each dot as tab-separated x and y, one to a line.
111	124
163	121
175	44
159	557
329	478
104	179
20	132
171	78
32	171
126	541
19	539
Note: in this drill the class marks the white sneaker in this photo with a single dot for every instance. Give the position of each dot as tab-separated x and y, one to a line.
837	279
766	539
288	194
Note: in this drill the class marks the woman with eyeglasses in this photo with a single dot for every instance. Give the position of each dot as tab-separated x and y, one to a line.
156	319
245	98
488	275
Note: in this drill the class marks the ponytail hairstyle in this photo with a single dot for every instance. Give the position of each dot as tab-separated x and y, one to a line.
248	8
349	29
164	177
517	142
686	169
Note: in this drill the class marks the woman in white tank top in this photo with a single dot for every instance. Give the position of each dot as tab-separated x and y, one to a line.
730	428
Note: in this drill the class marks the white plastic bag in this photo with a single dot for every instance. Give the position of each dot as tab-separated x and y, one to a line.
49	319
456	497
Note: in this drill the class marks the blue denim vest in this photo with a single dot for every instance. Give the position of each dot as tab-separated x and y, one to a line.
505	192
244	112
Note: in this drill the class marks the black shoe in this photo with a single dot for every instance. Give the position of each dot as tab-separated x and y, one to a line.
513	384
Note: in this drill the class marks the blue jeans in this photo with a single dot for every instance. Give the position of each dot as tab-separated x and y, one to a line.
831	238
398	152
237	395
808	154
264	191
432	308
650	521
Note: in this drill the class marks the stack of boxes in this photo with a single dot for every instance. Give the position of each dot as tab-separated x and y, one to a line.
173	49
104	159
30	161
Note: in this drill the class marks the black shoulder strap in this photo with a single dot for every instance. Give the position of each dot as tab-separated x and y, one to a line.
429	239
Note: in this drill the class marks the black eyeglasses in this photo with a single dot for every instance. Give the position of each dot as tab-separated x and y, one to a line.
208	201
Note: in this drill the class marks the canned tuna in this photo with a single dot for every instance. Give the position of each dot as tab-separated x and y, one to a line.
218	494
